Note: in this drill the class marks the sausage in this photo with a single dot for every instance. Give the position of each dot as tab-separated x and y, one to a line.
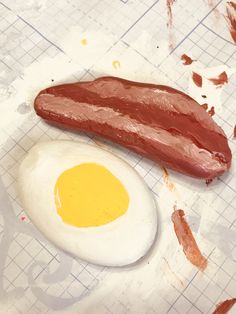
156	121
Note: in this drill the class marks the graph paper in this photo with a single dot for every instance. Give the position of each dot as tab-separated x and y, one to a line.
35	276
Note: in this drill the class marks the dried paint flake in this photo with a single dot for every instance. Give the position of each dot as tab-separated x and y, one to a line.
220	80
197	79
186	59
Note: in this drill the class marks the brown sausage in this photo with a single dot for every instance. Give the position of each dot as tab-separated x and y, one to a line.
156	121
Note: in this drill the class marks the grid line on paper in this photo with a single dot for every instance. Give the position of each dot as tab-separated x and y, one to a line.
56	46
200	22
218	35
34	29
123	35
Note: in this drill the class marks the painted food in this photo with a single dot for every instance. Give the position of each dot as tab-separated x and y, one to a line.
156	121
88	202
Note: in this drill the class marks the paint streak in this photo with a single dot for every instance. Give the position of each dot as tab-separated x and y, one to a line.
211	111
231	18
172	273
168	183
186	239
235	131
116	64
220	80
169	4
225	306
84	42
204	106
197	79
186	59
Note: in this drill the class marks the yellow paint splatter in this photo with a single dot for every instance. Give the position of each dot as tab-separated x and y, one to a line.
168	183
116	64
84	42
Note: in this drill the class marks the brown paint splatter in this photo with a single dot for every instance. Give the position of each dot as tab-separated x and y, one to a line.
116	64
186	59
231	18
211	112
204	106
168	183
186	239
197	79
220	79
208	181
84	42
225	306
204	96
235	131
172	273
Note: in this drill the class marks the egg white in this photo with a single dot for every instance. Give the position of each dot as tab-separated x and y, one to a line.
120	242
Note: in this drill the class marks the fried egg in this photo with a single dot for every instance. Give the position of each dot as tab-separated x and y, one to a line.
88	202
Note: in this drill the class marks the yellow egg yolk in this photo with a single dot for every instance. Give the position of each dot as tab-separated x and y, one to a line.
90	195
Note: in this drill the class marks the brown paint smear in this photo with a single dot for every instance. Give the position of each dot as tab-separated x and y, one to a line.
197	79
235	131
186	59
225	306
168	183
186	239
169	4
211	111
231	18
220	79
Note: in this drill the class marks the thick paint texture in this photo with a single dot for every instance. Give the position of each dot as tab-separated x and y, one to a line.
89	195
156	121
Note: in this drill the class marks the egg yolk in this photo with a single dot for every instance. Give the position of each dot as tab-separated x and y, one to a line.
90	195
